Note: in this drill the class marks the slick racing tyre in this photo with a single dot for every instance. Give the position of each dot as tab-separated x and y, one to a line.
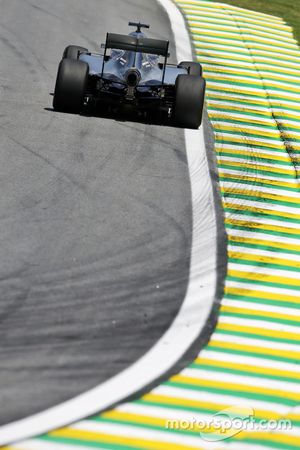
194	68
70	85
189	101
72	51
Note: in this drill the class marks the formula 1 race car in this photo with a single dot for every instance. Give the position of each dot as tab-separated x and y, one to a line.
132	74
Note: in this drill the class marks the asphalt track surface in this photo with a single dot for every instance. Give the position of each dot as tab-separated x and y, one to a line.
95	214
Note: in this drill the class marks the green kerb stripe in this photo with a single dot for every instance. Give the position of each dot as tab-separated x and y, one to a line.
88	443
236	393
262	183
270	265
256	198
262	338
244	279
246	353
247	170
264	231
246	372
261	300
249	211
263	317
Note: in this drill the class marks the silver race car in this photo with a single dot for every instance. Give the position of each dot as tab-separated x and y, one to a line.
131	75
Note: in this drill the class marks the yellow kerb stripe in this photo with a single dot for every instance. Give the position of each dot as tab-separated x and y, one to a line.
118	440
210	406
234	387
223	7
293	355
249	140
262	226
252	140
137	418
265	277
267	243
154	421
252	293
273	181
237	89
270	84
259	332
263	211
257	120
163	423
281	157
204	12
211	7
257	370
261	314
249	165
267	436
263	258
228	43
293	417
251	38
263	195
244	129
250	104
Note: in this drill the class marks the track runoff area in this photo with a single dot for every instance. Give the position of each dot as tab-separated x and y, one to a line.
249	369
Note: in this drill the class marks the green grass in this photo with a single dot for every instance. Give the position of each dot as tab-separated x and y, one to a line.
289	10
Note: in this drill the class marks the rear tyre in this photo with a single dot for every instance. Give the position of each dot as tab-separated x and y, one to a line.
189	101
70	85
72	51
194	68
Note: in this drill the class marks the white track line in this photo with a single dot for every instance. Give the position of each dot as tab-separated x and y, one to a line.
193	313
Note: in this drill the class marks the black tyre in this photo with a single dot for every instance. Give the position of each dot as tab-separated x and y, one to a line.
72	51
194	68
189	101
70	85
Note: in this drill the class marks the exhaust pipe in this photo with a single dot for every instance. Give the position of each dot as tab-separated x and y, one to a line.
132	77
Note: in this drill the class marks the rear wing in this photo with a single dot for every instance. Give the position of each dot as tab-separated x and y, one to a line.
132	43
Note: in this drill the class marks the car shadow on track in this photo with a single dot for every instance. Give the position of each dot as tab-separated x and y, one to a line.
156	118
121	116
